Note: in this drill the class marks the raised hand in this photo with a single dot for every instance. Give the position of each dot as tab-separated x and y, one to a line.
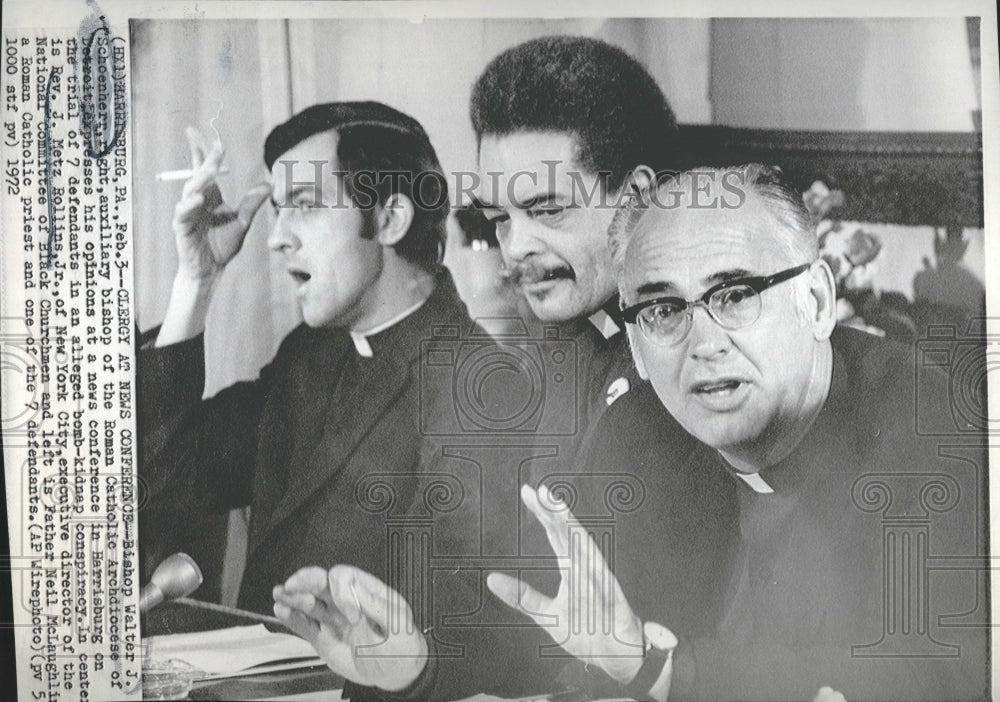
208	232
360	626
589	617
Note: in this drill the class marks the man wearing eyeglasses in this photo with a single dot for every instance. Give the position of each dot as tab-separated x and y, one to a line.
753	400
861	568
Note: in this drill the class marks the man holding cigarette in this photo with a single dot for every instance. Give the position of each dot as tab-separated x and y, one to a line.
340	398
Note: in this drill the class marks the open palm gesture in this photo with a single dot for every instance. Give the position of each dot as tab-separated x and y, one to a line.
589	617
360	626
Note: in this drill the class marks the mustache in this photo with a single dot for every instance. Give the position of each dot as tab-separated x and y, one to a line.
529	272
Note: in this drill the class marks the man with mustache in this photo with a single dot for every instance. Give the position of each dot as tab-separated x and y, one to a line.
568	129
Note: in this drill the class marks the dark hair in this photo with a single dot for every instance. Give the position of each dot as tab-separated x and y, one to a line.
383	153
585	87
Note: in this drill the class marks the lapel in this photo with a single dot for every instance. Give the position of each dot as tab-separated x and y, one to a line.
379	385
295	415
381	382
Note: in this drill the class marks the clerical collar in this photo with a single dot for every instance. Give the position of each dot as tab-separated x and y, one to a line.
608	319
756	483
361	343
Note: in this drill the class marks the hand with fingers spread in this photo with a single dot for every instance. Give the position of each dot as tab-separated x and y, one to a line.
361	627
589	616
208	232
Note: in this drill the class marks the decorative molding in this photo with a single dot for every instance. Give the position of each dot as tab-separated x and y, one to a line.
910	178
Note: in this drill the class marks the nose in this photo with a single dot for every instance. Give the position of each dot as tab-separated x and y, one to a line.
517	238
707	339
282	239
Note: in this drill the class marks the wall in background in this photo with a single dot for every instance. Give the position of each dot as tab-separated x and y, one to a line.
843	74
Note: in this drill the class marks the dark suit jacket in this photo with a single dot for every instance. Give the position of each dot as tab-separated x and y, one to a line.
279	445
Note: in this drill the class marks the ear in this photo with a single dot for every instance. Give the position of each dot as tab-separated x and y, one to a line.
394	219
823	293
638	181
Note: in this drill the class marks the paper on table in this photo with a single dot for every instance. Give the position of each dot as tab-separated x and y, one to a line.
227	651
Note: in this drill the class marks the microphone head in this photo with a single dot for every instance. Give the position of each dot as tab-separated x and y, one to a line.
177	576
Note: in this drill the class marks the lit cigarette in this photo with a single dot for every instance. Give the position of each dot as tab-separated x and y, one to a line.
184	174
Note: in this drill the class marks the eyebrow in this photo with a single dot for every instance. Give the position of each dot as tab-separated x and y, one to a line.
654	288
660	287
295	192
547	198
539	199
724	276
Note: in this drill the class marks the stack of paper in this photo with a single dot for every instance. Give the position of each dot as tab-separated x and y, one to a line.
234	651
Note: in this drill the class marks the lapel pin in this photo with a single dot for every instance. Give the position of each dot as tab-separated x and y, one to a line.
616	389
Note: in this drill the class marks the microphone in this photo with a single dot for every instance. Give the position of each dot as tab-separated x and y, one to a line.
176	576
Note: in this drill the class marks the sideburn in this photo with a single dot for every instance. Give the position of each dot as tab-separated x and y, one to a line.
369	223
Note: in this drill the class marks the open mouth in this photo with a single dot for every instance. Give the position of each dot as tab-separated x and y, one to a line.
717	388
557	274
300	276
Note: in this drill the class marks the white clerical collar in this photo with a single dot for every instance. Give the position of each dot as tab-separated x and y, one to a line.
360	339
756	483
604	323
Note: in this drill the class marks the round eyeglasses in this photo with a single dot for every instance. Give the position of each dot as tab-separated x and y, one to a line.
733	304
